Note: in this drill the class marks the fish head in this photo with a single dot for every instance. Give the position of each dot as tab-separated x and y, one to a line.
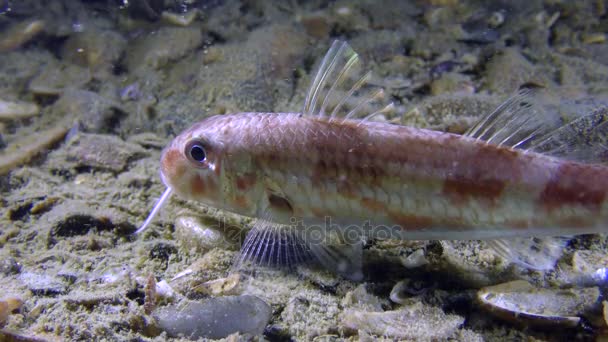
191	165
202	164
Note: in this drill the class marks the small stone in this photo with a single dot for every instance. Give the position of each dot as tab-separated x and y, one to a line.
415	259
160	47
97	50
180	19
4	313
102	152
42	284
56	77
8	266
452	82
508	70
213	265
222	286
316	25
309	314
406	289
594	38
359	298
19	34
17	110
95	113
202	235
14	304
215	318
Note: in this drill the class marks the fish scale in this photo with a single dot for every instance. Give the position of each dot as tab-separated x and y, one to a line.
449	173
399	182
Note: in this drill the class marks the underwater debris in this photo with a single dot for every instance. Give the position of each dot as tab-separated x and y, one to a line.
95	113
202	235
415	322
57	77
520	302
19	34
97	50
25	149
222	286
180	19
9	306
168	44
101	152
17	110
215	318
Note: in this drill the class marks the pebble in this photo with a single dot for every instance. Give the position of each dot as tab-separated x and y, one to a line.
163	46
508	70
215	318
94	49
180	19
19	34
202	235
316	25
10	110
101	152
56	77
415	259
415	322
95	113
222	286
42	284
360	298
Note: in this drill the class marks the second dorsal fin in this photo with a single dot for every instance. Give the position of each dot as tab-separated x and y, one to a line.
340	90
573	129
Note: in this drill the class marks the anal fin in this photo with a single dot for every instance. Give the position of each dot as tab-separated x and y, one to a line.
533	253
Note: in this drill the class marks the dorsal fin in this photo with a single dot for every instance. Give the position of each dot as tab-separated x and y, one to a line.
533	121
340	90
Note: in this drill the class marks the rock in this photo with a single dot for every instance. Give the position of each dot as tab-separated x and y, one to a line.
158	48
451	112
101	152
74	218
42	284
416	322
17	110
95	113
309	314
97	50
180	19
519	301
9	265
508	70
215	318
4	313
452	82
212	266
359	298
316	25
56	77
222	286
202	235
19	34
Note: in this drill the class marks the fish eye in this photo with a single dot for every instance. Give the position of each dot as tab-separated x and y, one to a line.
195	151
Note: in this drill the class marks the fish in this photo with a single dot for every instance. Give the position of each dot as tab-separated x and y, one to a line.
322	181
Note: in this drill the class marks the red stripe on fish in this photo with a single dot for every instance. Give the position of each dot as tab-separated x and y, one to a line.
576	184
